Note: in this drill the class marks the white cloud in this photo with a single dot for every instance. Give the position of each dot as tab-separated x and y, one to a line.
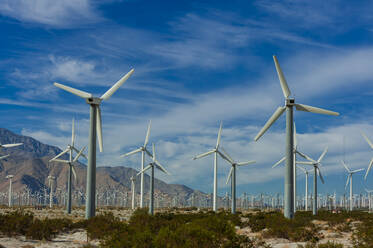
66	13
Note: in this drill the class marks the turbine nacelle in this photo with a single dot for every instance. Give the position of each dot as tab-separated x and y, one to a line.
93	100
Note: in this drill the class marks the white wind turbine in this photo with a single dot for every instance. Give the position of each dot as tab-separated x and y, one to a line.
95	132
216	151
349	180
10	195
289	151
50	182
316	167
232	177
143	150
151	166
371	161
70	149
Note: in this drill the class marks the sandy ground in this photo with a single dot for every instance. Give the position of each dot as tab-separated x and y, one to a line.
78	238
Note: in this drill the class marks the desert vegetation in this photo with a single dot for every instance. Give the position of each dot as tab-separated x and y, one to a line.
192	228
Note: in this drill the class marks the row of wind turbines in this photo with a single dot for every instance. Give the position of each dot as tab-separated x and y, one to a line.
95	133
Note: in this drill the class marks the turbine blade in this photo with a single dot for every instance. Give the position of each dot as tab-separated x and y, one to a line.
279	162
348	180
160	167
77	151
79	93
322	155
74	172
73	133
357	170
321	177
60	161
99	129
306	108
348	169
369	167
246	163
269	123
145	169
366	138
3	157
203	154
153	146
284	85
59	155
130	153
116	86
148	133
305	156
304	162
147	152
219	135
79	154
229	175
230	159
11	145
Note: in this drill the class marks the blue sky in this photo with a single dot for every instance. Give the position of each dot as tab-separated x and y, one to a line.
196	63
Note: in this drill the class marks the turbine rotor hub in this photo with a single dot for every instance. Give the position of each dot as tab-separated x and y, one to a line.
289	102
93	100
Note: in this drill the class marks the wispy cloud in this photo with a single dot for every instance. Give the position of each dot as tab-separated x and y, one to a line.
59	14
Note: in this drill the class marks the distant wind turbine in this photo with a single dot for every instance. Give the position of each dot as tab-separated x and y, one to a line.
316	167
10	195
70	149
143	150
289	151
232	177
216	151
349	180
151	166
95	131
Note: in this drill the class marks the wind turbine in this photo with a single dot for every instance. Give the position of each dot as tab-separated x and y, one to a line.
316	168
216	151
50	181
10	197
95	132
143	150
371	161
151	166
349	180
306	193
232	177
70	149
289	151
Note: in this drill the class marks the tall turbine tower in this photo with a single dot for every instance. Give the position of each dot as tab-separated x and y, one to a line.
151	166
216	151
349	180
143	150
316	168
70	149
289	151
232	177
10	195
95	132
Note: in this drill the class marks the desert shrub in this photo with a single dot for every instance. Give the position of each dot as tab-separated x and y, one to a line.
102	225
15	223
326	245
